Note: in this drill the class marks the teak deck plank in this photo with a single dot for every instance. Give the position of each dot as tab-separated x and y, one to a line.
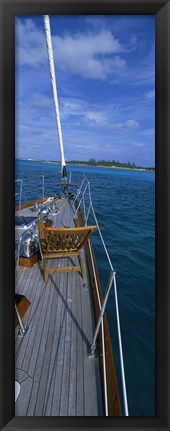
54	354
73	356
59	358
80	369
47	358
60	378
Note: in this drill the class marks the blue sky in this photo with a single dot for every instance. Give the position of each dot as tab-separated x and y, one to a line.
105	71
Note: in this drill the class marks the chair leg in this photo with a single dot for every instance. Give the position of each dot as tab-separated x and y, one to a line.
81	266
45	271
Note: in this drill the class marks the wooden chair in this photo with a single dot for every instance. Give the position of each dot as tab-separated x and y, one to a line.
57	242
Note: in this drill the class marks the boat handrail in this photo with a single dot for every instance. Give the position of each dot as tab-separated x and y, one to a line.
102	307
28	191
42	187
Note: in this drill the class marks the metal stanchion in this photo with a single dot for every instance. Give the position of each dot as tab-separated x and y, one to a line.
23	329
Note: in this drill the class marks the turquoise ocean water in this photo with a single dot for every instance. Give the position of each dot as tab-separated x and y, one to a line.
124	202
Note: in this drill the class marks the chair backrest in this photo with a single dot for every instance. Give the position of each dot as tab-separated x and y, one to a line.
57	239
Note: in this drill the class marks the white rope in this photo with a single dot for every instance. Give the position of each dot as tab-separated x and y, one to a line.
54	87
101	236
121	351
84	209
88	212
81	198
78	191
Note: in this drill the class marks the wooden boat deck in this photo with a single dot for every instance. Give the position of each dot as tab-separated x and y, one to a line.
56	375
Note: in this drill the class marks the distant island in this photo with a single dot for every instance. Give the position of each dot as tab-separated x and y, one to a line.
109	164
98	163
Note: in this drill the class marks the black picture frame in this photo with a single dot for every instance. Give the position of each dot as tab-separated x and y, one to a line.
8	11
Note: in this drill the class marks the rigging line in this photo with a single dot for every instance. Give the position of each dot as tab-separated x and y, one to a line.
121	351
78	191
101	236
54	88
81	198
101	224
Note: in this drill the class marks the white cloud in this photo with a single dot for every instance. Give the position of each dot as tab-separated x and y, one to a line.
129	124
30	44
87	44
149	133
88	54
140	72
138	144
41	101
95	117
72	107
91	55
132	124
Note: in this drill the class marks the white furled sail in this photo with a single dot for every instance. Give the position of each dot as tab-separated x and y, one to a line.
54	88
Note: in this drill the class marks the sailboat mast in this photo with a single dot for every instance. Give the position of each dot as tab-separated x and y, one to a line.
54	88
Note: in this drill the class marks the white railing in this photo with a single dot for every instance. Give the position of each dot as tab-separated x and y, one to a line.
80	197
24	188
27	191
